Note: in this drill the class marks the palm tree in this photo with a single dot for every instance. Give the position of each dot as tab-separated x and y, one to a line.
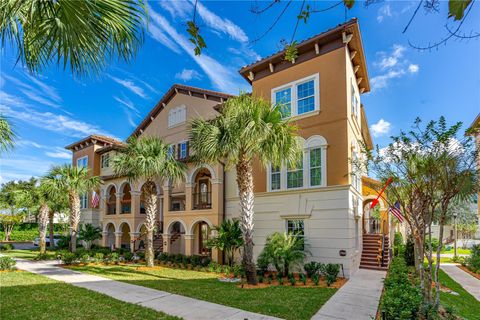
7	136
82	35
247	129
73	181
148	159
229	239
89	233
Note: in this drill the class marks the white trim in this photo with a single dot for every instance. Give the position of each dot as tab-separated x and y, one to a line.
81	158
177	116
293	94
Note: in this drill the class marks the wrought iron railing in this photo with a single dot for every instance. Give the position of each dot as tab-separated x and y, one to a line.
202	200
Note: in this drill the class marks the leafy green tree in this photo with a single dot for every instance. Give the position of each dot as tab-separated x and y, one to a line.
247	129
284	251
82	35
72	181
148	159
8	221
89	233
7	136
229	239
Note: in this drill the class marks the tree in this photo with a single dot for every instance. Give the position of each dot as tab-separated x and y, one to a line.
89	233
248	129
284	251
8	221
148	159
229	239
82	35
7	136
73	181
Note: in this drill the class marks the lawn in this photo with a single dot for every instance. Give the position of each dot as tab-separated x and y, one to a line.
459	250
465	305
25	254
29	296
282	301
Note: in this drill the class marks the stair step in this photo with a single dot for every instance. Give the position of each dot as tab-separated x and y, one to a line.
374	268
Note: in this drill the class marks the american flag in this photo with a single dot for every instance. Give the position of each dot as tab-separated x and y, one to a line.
95	199
395	210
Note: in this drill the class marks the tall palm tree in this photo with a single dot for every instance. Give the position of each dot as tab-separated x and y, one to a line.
148	159
7	136
73	181
247	129
82	35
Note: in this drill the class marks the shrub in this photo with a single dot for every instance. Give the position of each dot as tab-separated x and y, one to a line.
260	279
98	257
227	270
262	264
312	267
163	256
196	260
219	268
206	261
270	278
291	279
398	246
128	256
303	278
238	271
315	278
6	247
473	261
331	272
114	257
178	258
7	263
212	267
43	256
401	299
409	253
434	242
68	257
85	258
140	255
280	280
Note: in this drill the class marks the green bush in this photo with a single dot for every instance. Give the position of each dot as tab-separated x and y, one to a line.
402	299
280	280
85	258
291	279
398	245
409	253
303	278
473	261
6	247
196	260
316	278
163	257
21	235
98	257
331	272
68	257
43	256
238	271
434	242
7	263
260	279
128	256
262	264
312	267
114	257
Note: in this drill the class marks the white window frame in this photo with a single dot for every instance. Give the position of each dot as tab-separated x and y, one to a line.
181	144
303	236
83	200
81	159
294	97
313	142
177	116
356	174
102	160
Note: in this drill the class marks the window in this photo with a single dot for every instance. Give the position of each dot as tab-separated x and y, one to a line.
275	178
82	162
315	167
177	116
183	150
356	175
298	97
297	227
354	100
295	175
83	201
105	160
171	151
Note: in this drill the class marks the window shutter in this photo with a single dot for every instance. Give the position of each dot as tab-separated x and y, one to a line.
188	148
179	150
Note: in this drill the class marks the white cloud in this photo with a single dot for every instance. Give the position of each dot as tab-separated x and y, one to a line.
127	103
413	68
390	60
187	75
177	9
161	37
381	81
130	85
23	167
380	128
383	12
59	154
221	77
42	93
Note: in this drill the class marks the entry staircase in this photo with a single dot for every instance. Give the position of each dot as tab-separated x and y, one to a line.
375	254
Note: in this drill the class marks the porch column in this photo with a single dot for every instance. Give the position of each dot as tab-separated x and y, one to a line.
118	239
104	239
166	242
188	196
217	195
135	202
216	255
133	241
189	244
119	196
166	198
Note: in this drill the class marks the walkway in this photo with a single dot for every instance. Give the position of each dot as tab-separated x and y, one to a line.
358	299
172	304
467	281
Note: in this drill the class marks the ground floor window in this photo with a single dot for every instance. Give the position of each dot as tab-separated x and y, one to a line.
296	227
83	201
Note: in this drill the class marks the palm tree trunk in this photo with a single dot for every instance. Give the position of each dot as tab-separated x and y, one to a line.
50	227
245	187
42	226
150	210
74	202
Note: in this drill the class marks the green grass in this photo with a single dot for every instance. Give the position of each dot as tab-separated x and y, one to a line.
21	235
459	251
29	296
25	254
282	301
465	305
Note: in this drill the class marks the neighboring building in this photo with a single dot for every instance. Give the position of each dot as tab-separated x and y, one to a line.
474	130
322	198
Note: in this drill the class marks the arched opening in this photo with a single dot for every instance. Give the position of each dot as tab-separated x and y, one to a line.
126	199
177	238
125	229
201	234
371	218
202	192
112	200
110	241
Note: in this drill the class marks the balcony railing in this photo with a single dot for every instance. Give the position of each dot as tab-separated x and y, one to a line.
202	200
111	208
126	207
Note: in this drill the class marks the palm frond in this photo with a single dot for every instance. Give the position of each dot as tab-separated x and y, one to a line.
7	136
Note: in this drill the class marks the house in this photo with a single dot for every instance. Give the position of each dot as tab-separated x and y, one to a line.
321	198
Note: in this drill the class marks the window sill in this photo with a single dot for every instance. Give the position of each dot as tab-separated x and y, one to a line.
305	115
297	189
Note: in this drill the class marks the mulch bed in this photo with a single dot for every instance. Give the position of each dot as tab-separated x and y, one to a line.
476	275
321	284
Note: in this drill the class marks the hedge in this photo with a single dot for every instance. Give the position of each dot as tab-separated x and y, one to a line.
25	235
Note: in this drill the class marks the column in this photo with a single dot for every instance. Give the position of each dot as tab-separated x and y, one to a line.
166	198
104	239
118	239
166	242
189	244
188	196
119	196
135	202
133	241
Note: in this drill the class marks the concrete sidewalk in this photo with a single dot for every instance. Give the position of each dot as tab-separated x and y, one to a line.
358	299
467	281
172	304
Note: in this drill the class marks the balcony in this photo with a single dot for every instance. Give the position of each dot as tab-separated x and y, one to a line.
126	207
111	208
177	202
202	201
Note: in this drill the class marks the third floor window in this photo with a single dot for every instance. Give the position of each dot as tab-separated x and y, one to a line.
298	97
82	162
105	161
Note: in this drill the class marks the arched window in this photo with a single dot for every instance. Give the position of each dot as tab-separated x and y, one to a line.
112	201
126	199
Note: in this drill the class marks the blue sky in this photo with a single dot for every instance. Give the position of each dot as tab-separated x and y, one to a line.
51	110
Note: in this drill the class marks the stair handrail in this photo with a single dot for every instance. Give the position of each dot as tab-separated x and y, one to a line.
383	248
